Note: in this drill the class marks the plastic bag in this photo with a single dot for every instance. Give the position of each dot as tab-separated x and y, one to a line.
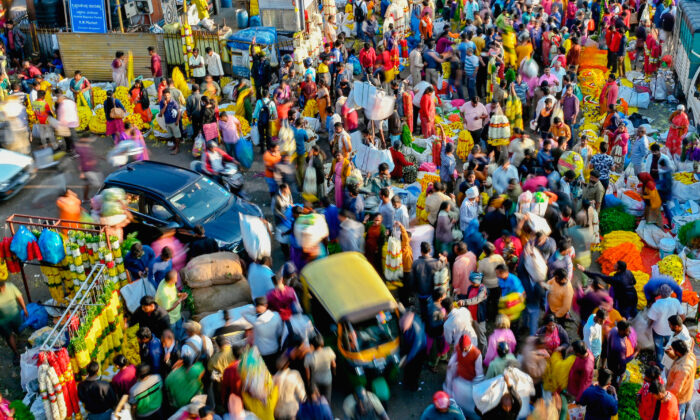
38	317
310	230
255	135
651	234
256	238
244	152
198	146
51	246
133	292
28	369
488	394
632	205
640	323
538	224
535	264
692	266
20	241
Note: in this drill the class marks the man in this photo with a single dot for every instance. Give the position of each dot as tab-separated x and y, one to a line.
380	181
680	333
138	260
198	66
351	235
168	298
268	332
622	283
464	265
170	110
435	200
15	41
193	105
151	316
617	352
581	373
442	408
433	61
469	359
301	137
600	399
214	64
681	376
341	140
471	67
260	277
459	322
196	345
146	396
659	314
386	209
561	293
424	269
594	191
474	114
156	68
97	396
265	112
415	59
362	404
551	79
160	266
509	283
67	115
202	244
171	352
638	149
608	95
570	105
222	358
593	333
150	348
28	75
184	382
470	208
559	129
270	159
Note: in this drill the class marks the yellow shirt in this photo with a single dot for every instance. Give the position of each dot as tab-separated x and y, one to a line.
166	296
523	51
322	68
480	44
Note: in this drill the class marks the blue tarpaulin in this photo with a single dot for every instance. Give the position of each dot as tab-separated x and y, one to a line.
265	35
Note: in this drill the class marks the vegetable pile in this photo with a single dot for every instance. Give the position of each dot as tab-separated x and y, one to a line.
616	218
627	397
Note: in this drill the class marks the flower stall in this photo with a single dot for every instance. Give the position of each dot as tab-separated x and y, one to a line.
94	328
65	251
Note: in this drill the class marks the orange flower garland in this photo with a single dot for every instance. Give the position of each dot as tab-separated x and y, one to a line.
626	252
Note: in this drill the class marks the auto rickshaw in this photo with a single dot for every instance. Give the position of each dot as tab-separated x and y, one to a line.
348	300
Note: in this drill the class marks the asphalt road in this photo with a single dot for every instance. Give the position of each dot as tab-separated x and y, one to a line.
38	199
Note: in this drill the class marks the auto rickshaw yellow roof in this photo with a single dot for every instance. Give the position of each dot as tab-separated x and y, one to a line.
348	287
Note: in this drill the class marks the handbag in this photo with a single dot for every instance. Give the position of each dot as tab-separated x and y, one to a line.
210	131
117	113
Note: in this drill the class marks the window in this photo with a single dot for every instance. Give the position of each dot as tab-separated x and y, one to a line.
199	200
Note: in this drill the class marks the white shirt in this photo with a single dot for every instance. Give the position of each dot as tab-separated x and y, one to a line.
593	336
468	211
401	215
501	177
458	323
68	114
214	64
196	340
684	336
199	71
351	235
659	313
268	331
260	280
560	75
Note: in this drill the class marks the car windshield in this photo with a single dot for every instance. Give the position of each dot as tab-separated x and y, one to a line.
371	333
200	199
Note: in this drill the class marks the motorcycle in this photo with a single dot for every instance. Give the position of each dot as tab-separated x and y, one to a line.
230	178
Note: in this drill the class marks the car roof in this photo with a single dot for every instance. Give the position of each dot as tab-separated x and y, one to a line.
160	178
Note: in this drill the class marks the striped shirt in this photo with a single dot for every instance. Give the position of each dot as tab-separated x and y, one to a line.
471	64
521	91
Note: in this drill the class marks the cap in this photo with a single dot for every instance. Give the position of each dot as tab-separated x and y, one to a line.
441	400
288	269
476	277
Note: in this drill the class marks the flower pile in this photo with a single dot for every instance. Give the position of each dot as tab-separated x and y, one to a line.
686	178
672	265
642	279
310	109
634	371
464	145
616	218
84	115
98	122
626	252
137	121
615	238
99	95
122	93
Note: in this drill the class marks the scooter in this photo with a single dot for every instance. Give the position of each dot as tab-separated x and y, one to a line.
229	177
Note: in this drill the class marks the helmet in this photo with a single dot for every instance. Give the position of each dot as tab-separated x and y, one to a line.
441	400
503	349
211	144
308	62
286	59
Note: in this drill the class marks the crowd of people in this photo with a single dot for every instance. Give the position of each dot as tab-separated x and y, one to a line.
495	290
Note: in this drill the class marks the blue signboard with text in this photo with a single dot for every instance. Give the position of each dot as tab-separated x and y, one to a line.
88	16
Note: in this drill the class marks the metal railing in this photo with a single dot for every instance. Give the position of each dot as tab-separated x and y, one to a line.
202	40
88	295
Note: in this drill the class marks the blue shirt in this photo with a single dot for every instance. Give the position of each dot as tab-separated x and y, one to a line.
300	138
510	284
169	111
453	413
599	404
136	265
260	280
543	157
158	270
447	166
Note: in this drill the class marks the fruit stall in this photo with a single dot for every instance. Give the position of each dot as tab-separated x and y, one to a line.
66	251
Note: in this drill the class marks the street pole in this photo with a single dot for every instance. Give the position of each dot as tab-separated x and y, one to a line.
119	14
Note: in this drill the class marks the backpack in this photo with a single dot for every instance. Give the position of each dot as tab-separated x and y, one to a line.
264	116
359	13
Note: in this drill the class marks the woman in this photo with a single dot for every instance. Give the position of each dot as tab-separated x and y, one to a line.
554	335
209	127
426	24
652	199
501	333
341	170
679	128
119	70
544	119
11	302
374	241
652	52
589	219
427	112
443	228
132	133
314	161
619	145
323	99
80	86
139	98
115	125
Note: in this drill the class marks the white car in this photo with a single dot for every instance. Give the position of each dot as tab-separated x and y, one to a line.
16	170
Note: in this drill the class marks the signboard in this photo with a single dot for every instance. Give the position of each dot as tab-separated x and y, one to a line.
88	16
